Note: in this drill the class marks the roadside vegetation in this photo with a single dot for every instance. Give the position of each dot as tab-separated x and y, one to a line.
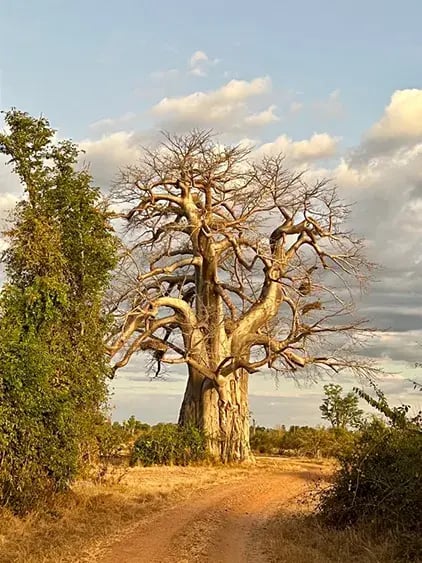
370	510
58	261
361	508
378	485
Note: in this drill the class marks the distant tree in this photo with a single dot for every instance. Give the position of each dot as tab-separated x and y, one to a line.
134	426
341	411
52	327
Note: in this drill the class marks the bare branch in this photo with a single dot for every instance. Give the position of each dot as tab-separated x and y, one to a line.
234	256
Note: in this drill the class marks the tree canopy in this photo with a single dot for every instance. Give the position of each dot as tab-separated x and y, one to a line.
341	411
60	252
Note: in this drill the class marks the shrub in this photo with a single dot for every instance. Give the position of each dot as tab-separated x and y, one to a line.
317	442
379	484
169	444
380	479
112	439
266	440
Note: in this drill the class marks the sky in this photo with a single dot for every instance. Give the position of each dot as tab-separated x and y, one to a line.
335	86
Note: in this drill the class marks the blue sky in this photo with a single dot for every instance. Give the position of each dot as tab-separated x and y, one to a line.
110	74
82	61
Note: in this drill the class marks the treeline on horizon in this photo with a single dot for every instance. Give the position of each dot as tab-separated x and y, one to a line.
117	439
166	443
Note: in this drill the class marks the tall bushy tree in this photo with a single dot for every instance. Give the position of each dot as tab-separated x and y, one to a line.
52	362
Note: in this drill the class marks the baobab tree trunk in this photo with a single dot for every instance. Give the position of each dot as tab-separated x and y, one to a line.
221	412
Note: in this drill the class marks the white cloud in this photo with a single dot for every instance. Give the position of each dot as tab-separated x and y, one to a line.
262	118
109	153
387	213
233	92
110	122
199	63
402	118
7	203
247	142
320	145
225	106
295	107
197	57
331	107
9	181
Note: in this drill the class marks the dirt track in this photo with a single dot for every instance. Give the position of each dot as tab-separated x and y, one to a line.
221	524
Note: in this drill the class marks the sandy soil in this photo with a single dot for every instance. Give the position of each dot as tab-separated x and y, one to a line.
223	523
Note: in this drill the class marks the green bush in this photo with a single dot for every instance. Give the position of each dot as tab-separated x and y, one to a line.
317	442
112	439
116	439
379	482
169	444
266	440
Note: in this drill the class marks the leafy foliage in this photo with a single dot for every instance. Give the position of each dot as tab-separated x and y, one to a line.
379	480
116	439
169	444
53	367
340	411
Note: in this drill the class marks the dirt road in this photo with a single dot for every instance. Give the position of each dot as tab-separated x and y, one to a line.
221	524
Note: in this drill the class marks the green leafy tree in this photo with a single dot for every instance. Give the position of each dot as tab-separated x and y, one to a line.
134	427
53	364
341	411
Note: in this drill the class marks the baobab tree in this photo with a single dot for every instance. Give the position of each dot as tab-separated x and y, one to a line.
232	264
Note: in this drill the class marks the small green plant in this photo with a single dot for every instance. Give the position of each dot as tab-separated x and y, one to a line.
169	444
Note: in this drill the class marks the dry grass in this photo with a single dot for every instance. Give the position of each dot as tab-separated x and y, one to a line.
300	539
93	513
295	535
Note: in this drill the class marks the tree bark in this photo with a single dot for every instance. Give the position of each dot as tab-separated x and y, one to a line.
222	412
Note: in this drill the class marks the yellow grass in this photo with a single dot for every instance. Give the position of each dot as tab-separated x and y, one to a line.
295	535
95	514
92	513
300	539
